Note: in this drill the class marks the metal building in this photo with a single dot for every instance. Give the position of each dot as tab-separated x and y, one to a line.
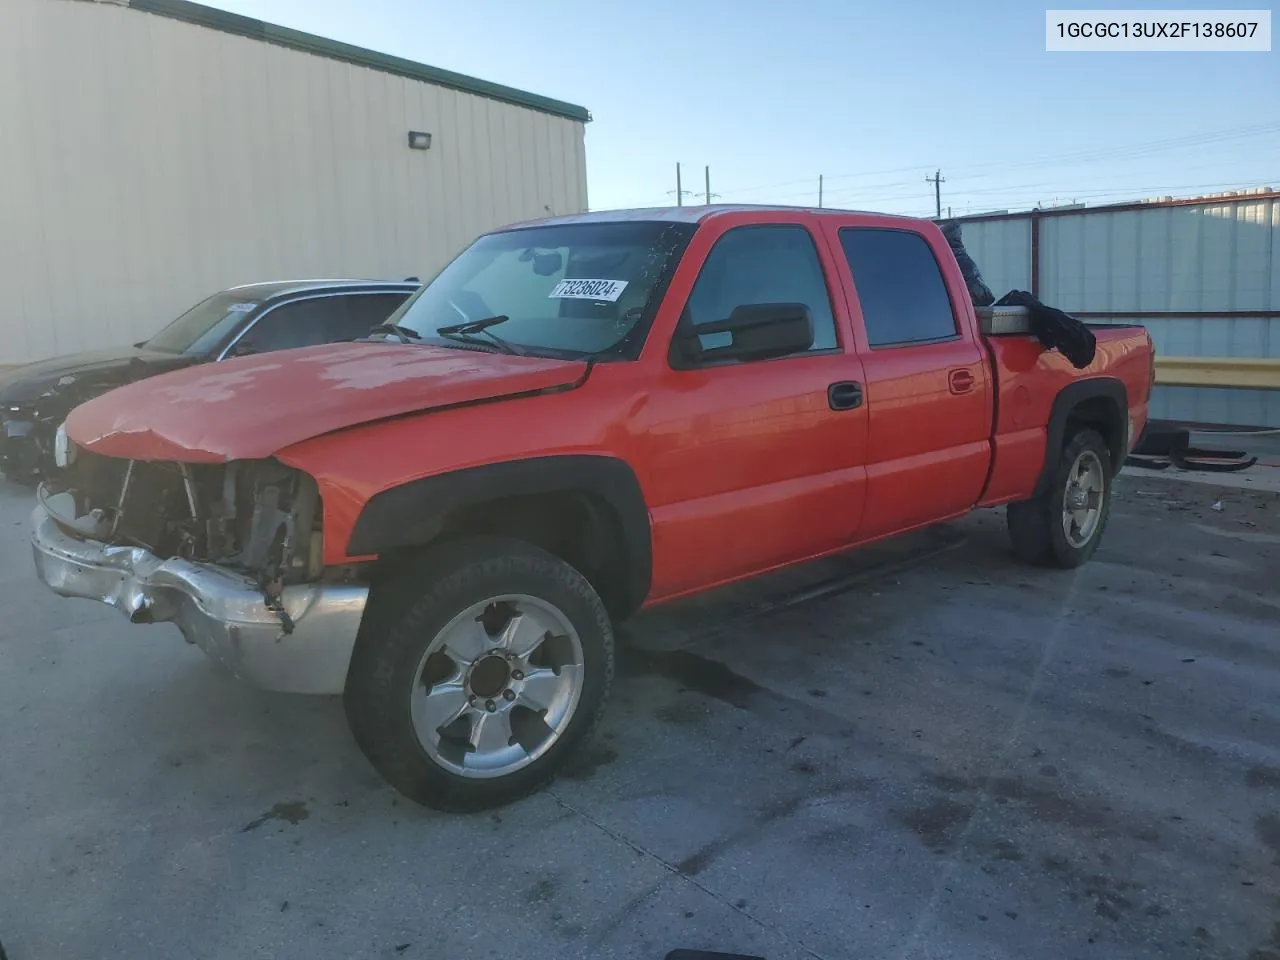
1203	275
155	151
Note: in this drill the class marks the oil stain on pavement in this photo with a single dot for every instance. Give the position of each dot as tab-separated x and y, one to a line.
291	811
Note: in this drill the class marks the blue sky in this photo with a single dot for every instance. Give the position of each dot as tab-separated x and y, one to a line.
771	94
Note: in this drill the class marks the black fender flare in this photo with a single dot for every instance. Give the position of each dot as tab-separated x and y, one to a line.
410	515
1064	404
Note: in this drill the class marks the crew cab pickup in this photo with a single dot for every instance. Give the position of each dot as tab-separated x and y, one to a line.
577	418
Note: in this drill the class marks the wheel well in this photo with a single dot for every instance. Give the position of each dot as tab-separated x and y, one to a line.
579	528
1098	403
1103	415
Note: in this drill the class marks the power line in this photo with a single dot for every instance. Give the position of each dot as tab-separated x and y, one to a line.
1020	194
1136	150
1130	151
1058	186
1186	191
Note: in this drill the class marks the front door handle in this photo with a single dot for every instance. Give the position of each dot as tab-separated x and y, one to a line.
845	395
960	381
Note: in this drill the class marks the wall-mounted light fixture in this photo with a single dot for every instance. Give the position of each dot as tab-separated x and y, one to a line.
418	140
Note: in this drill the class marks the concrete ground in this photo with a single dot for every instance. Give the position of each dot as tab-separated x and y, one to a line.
919	750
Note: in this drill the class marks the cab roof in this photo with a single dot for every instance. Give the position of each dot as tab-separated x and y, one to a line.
693	214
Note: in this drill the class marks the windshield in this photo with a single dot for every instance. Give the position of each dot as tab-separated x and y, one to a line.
205	325
571	289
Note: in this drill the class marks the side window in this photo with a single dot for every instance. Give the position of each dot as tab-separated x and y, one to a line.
306	323
900	287
303	323
764	264
359	313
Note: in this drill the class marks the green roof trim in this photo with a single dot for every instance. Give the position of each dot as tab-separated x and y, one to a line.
198	13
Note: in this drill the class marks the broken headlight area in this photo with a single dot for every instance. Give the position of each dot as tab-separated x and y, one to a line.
257	517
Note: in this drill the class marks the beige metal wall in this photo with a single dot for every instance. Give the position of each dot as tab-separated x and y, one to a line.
146	162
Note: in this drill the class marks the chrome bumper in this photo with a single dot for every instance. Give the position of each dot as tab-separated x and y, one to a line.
218	610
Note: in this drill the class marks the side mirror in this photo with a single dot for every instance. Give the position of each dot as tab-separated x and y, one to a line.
241	348
759	331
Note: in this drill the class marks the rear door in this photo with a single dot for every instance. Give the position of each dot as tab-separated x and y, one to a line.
927	390
752	463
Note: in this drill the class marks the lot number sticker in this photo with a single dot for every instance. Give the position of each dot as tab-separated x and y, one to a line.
609	290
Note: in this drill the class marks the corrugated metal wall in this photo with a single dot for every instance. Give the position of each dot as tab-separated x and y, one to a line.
1001	248
1213	257
147	162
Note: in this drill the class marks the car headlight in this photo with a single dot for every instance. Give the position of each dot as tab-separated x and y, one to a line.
64	451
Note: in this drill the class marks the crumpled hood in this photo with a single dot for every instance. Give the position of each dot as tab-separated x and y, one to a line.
251	407
114	365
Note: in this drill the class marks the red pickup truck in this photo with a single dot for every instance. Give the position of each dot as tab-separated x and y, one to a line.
577	418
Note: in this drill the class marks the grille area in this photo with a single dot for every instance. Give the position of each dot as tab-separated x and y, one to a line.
257	516
146	501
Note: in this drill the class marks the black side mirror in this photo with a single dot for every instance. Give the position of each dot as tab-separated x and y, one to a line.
760	331
241	348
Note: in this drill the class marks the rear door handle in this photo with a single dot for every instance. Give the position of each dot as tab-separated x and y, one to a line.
845	395
960	381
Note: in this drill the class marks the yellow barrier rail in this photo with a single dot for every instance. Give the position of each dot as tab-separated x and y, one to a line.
1257	373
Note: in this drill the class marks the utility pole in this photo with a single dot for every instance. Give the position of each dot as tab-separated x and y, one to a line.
679	191
819	191
937	180
706	197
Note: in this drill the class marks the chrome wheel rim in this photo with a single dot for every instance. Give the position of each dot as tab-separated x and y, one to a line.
498	686
1082	500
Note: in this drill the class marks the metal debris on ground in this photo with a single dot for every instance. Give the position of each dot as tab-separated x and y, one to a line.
1166	445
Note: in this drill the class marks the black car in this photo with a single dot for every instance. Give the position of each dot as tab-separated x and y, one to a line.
255	318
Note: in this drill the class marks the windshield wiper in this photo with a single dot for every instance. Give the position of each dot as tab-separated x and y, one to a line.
466	332
403	333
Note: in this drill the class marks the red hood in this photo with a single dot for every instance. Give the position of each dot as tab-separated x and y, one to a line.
251	407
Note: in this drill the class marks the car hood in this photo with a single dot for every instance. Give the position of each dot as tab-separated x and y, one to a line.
251	407
111	366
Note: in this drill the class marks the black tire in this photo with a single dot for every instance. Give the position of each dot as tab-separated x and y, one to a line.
404	615
1035	526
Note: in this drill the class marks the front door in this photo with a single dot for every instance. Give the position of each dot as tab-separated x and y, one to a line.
756	463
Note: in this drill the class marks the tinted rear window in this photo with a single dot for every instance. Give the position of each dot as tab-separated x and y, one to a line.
900	287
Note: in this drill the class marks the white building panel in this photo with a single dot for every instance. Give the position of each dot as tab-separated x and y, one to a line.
148	161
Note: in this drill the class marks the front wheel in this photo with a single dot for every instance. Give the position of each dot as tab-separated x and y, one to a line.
1063	526
477	671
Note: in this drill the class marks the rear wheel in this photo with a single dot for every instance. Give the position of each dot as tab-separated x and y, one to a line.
1063	526
477	671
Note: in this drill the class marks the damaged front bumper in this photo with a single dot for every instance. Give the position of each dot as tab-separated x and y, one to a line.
218	610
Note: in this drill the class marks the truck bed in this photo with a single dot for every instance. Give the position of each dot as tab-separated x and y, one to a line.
1006	321
1028	380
